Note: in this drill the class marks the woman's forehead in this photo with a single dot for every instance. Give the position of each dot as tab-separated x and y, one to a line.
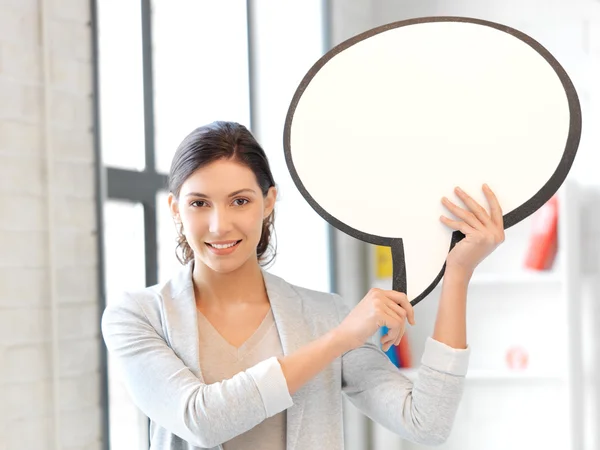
220	177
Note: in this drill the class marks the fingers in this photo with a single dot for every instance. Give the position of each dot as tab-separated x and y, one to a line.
397	317
477	214
495	209
400	336
477	219
386	346
397	311
400	301
457	225
393	310
467	216
389	339
395	322
478	211
401	314
392	339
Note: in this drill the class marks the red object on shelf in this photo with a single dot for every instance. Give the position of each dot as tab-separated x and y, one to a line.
543	243
517	358
404	355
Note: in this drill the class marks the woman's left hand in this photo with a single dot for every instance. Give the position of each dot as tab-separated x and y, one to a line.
483	232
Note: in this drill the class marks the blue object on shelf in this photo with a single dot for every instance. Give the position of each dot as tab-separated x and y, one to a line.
392	353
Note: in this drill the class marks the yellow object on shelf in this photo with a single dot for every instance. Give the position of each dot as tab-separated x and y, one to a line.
383	263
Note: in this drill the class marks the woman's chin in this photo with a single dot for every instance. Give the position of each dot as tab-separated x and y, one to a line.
227	265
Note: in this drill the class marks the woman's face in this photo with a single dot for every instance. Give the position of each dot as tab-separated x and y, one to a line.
222	210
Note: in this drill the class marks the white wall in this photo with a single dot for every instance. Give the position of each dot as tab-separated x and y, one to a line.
49	378
286	40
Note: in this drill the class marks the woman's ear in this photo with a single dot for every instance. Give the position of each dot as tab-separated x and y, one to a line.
173	206
270	199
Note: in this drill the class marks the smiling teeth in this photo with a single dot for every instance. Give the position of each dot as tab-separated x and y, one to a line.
223	245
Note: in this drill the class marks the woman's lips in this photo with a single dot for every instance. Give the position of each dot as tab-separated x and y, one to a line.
223	247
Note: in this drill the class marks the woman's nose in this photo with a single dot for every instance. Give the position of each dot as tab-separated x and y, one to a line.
220	222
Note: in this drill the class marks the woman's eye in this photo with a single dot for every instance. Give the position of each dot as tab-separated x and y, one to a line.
198	203
240	201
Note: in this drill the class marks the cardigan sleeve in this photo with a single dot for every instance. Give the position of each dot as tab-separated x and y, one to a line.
166	391
423	411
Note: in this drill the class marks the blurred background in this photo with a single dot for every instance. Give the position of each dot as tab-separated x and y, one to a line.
96	95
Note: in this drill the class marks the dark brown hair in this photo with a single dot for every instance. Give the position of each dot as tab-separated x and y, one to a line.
218	141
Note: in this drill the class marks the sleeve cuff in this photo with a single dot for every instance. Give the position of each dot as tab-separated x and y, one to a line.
444	358
272	386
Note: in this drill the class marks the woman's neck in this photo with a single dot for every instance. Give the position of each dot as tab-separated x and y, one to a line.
215	290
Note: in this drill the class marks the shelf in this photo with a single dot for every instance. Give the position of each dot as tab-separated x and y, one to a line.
498	375
523	277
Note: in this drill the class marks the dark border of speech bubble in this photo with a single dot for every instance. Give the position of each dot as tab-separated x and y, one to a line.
399	281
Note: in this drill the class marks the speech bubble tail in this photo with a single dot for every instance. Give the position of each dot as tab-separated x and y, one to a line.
399	266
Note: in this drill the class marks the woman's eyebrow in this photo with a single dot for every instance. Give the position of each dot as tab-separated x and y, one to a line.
233	194
196	194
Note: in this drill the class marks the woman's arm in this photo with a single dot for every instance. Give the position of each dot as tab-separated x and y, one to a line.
206	415
421	412
306	362
451	321
483	233
378	308
166	391
424	411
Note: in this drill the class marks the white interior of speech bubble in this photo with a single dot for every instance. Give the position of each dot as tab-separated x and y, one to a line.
394	122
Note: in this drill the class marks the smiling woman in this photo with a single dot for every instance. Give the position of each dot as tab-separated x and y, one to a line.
222	196
226	355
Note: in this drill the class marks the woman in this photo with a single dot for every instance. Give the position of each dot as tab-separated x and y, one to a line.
226	355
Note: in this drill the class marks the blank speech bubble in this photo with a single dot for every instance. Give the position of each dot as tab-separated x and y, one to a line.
388	122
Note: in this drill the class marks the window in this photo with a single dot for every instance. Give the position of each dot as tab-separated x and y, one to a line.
200	69
121	89
124	270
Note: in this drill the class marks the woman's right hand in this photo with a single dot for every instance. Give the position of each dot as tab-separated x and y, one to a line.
378	308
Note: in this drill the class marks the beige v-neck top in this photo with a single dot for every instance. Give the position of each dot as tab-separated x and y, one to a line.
219	360
152	336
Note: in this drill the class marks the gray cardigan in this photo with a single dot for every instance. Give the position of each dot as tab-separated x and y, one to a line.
152	335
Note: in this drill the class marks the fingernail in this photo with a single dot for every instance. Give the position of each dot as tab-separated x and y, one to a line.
458	189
